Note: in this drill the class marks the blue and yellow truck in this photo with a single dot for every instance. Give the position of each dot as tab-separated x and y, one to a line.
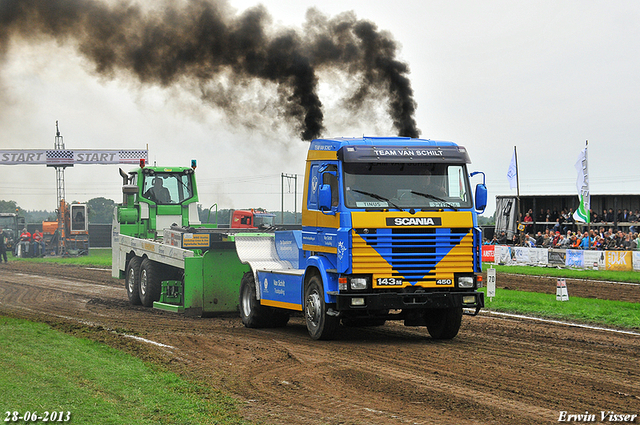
389	232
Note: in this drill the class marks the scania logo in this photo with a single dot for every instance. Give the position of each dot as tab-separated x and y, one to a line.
414	221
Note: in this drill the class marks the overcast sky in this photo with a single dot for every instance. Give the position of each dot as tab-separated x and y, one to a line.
544	76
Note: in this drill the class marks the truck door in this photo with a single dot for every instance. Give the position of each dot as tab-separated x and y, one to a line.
321	223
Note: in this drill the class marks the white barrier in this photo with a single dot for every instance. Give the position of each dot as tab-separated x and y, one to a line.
635	260
531	256
601	260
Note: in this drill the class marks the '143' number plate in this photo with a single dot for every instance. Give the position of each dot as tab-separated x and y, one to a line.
389	281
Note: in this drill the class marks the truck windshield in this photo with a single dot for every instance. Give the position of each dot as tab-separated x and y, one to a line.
167	188
8	226
263	220
414	185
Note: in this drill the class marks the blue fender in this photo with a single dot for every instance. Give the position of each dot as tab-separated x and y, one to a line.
329	280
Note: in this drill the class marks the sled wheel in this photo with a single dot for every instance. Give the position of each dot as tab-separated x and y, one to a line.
150	284
133	280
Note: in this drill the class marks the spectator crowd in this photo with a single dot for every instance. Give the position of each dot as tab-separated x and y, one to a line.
560	231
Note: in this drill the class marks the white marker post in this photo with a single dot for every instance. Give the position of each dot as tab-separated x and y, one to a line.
561	290
491	283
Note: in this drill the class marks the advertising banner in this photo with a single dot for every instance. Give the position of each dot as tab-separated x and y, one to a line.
502	255
539	256
557	257
593	259
618	260
587	259
575	258
636	260
488	253
532	256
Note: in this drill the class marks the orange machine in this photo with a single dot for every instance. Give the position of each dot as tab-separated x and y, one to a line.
70	234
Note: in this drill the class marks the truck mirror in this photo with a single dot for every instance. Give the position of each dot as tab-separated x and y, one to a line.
481	197
324	197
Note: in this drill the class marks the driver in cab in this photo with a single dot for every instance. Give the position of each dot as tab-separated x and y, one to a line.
429	185
158	193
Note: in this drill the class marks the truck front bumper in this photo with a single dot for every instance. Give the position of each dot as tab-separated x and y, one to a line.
409	301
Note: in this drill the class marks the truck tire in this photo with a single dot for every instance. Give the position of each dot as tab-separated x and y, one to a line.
253	314
150	283
132	281
444	323
319	324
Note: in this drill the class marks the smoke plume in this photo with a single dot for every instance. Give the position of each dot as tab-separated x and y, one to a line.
201	41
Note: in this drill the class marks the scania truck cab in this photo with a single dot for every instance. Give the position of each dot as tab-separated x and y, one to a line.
389	232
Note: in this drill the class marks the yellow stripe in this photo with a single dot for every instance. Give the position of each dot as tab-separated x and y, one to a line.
324	220
318	248
280	304
459	259
317	218
322	155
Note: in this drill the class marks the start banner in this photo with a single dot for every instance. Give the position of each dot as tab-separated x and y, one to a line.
71	157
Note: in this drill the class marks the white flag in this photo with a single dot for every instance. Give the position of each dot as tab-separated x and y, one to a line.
582	184
512	174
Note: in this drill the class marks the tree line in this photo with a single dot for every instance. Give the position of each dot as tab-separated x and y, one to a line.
100	211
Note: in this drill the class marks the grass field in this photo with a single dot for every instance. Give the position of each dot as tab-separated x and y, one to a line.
44	370
608	275
98	257
617	314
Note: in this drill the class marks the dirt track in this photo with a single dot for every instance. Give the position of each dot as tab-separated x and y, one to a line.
497	371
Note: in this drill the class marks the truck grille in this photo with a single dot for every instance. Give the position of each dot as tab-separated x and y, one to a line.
414	254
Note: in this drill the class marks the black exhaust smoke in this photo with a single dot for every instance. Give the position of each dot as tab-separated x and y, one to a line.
198	41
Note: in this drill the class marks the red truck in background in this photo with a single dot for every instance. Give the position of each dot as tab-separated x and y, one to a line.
251	219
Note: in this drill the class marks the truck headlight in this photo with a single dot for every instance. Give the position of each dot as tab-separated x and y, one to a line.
465	282
358	283
468	299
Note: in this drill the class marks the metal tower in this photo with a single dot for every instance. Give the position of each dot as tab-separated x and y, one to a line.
60	193
59	145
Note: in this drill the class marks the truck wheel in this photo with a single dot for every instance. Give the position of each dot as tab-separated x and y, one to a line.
132	281
253	314
444	323
319	324
150	284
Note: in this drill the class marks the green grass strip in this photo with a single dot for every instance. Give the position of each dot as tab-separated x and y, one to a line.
98	257
42	369
618	314
608	275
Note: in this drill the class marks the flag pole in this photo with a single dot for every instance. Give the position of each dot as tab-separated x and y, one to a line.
519	217
586	158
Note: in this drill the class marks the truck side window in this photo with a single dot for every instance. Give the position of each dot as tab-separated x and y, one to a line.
312	187
332	181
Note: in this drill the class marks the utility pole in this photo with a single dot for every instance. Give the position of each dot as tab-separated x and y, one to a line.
289	177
